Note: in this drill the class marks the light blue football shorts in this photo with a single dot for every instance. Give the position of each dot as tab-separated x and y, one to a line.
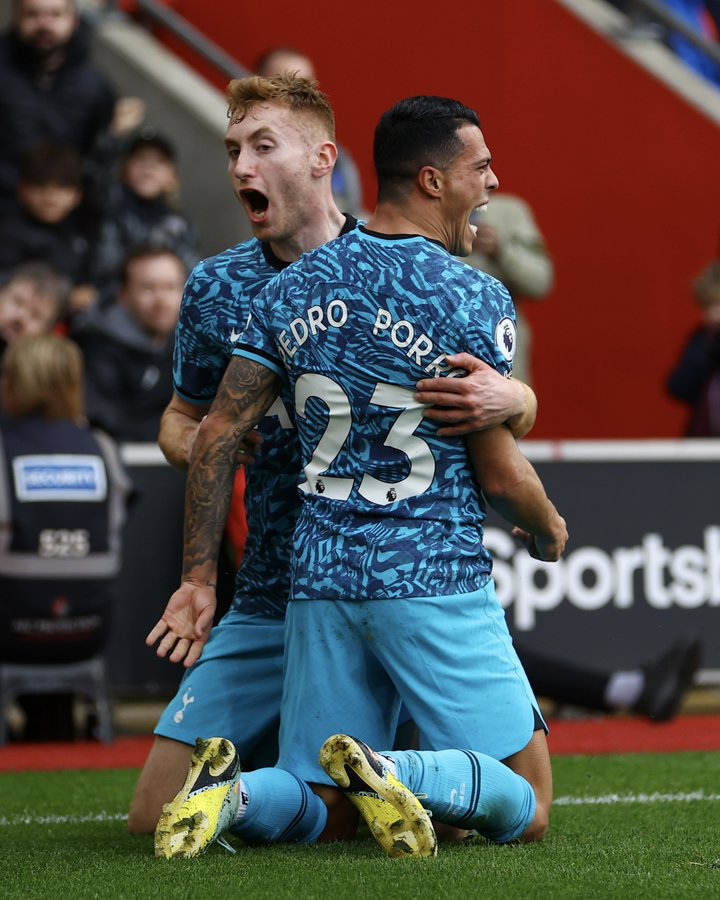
234	689
450	659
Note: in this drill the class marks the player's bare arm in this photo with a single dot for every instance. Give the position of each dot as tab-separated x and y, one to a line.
178	428
513	488
483	399
522	423
245	393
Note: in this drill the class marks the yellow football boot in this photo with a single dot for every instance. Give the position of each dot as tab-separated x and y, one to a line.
206	804
397	819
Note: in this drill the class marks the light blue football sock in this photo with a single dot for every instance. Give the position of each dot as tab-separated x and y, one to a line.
469	790
276	807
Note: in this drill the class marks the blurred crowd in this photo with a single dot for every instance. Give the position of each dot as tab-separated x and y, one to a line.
92	242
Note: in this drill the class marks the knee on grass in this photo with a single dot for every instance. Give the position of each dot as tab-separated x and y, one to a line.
141	818
538	828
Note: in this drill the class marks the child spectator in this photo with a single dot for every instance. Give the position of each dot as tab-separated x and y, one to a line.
141	212
31	302
47	225
128	346
695	380
61	518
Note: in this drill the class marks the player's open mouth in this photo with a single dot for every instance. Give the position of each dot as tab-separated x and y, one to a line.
256	204
474	213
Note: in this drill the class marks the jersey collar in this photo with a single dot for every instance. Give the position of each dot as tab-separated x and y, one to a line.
399	237
351	223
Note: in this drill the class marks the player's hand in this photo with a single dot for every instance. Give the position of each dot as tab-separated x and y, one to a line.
547	548
184	627
249	447
483	399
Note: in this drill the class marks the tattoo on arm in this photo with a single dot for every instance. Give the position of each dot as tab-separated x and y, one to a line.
245	393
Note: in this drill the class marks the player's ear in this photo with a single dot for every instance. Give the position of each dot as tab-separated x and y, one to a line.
325	157
429	180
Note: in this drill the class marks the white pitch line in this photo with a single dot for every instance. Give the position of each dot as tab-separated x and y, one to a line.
604	800
62	820
646	799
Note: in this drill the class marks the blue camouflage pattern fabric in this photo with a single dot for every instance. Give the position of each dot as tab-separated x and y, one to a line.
391	508
217	296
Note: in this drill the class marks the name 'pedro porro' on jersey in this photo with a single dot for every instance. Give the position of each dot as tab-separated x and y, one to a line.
391	508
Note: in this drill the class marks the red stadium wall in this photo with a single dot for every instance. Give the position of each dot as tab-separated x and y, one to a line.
621	173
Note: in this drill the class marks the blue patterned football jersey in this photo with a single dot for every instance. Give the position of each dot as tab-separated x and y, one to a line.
391	508
217	297
217	294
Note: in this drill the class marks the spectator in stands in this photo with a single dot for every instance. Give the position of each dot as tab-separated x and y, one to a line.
140	211
346	185
128	346
31	302
48	223
695	380
510	247
51	90
59	556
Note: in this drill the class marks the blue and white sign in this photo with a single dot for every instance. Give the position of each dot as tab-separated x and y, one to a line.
57	476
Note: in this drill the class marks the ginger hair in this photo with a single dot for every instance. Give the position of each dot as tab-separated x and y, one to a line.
300	95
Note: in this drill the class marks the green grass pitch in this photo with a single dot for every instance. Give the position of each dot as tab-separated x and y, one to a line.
634	826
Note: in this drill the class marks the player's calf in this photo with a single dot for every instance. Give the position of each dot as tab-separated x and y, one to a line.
161	778
342	816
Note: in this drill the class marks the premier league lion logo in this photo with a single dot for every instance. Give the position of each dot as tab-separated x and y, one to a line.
508	338
505	337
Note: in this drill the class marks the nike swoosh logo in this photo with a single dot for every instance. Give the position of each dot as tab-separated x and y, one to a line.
235	335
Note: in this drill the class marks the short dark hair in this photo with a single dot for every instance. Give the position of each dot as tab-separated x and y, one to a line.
49	163
416	132
149	138
147	251
18	3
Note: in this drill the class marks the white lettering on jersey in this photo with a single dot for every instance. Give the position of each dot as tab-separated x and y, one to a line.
402	334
